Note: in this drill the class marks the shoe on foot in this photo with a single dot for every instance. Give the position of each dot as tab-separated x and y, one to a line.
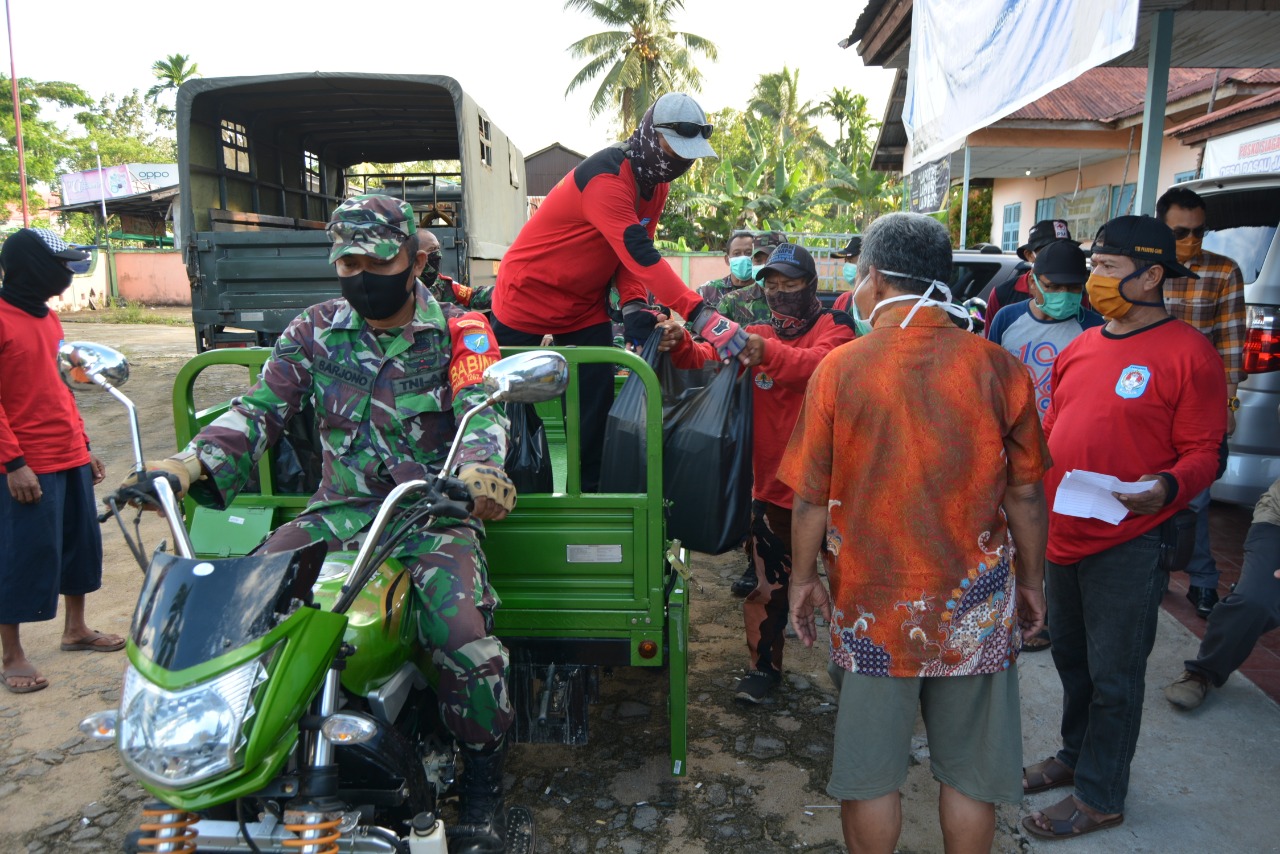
756	685
1188	690
1203	598
481	827
743	586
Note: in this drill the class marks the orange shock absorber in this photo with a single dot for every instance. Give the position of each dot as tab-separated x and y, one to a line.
167	829
316	835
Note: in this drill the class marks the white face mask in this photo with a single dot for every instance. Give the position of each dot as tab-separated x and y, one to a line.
948	306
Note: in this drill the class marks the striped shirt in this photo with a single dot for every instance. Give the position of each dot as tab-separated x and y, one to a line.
1213	304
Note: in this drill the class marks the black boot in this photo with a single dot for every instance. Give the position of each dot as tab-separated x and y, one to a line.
743	586
481	827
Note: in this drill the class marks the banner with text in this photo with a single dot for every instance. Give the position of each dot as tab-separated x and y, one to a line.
974	62
1245	152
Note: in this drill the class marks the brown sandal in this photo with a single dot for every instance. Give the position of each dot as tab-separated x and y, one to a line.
1047	774
1067	820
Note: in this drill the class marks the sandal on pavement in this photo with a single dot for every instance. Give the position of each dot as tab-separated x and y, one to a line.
95	641
1038	642
1067	820
1047	774
35	682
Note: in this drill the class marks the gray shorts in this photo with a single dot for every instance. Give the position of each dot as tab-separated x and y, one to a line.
973	724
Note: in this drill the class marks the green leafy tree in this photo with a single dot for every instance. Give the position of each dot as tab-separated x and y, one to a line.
128	130
978	223
45	144
170	73
639	59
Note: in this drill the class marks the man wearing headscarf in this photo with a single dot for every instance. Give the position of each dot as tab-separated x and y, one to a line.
50	543
781	355
596	227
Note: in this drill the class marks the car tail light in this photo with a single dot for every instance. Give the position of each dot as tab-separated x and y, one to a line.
1262	339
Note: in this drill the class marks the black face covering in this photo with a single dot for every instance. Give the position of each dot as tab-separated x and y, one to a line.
375	296
649	163
32	276
795	312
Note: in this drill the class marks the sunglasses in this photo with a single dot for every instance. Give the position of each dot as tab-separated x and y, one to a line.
1181	233
689	130
349	232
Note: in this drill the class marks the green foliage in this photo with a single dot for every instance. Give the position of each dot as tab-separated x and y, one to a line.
129	130
170	73
119	310
640	58
45	145
978	222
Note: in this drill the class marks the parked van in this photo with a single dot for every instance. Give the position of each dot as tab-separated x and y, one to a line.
262	161
1241	218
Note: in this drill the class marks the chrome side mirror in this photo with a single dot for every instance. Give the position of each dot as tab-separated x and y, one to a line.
527	377
84	364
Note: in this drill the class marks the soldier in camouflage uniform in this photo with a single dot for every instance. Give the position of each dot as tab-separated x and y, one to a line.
390	371
738	251
444	289
747	304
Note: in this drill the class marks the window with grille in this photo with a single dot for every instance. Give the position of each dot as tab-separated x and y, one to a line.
1009	232
235	147
310	172
486	143
1122	199
1046	208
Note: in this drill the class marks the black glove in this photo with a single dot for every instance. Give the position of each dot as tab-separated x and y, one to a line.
638	321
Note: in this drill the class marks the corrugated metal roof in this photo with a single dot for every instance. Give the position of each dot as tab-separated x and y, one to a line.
1258	102
1107	94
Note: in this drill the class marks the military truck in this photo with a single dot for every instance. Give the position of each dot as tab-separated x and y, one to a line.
262	161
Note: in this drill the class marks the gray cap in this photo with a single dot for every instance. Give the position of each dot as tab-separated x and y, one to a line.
684	125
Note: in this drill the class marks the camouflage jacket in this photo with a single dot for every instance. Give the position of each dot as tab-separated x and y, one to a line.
746	305
716	290
385	416
446	291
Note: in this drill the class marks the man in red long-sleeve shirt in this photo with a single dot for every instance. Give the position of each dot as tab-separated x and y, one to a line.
1139	399
49	537
782	354
596	227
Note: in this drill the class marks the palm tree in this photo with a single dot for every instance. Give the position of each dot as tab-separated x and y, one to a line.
639	59
776	100
171	72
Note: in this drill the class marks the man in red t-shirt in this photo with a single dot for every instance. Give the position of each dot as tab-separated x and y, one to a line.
1139	399
782	355
596	227
49	537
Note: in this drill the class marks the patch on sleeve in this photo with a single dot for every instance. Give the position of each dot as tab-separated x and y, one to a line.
462	294
474	349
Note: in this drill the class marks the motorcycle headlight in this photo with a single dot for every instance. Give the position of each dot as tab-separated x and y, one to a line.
175	738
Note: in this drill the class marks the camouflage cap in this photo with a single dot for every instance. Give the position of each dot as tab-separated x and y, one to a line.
371	224
767	241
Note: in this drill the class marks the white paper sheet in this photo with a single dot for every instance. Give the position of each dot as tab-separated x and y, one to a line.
1087	494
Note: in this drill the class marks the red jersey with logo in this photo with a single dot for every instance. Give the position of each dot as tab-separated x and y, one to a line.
39	422
1141	403
780	381
594	225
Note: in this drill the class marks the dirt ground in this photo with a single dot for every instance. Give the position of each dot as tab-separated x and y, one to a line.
756	774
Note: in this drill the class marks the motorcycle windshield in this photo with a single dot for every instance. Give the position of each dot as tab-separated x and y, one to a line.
191	610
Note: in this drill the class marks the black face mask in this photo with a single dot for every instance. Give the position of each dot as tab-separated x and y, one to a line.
794	313
432	271
375	296
32	276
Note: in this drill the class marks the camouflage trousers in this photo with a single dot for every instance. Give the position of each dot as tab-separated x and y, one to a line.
455	621
765	609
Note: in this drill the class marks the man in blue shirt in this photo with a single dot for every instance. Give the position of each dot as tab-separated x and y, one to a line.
1037	329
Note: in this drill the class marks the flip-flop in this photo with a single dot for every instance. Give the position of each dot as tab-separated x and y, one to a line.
1038	642
24	689
89	643
1066	821
1039	781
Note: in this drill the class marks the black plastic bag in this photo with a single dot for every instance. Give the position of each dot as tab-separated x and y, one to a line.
706	468
625	441
528	453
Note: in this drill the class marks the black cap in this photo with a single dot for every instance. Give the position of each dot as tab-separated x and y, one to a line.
1062	261
1142	238
853	250
792	261
1042	234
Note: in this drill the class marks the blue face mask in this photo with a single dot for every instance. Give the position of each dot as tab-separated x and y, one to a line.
860	326
850	272
741	268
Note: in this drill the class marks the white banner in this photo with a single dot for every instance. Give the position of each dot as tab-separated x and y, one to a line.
1245	152
974	62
